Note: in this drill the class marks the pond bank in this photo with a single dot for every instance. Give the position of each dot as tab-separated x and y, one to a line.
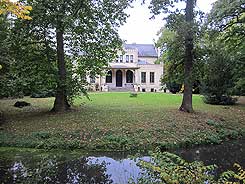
114	121
28	165
72	141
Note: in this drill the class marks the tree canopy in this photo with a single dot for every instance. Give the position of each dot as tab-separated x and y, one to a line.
81	36
187	32
218	62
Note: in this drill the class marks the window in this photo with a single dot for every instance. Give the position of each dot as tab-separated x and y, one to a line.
143	77
131	58
92	79
152	77
143	89
121	58
152	89
117	59
127	58
108	78
129	76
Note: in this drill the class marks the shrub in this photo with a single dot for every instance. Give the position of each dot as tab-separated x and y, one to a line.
43	94
169	168
41	135
218	83
219	100
174	87
133	95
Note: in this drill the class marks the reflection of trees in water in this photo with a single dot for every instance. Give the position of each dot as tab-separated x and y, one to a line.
53	169
223	155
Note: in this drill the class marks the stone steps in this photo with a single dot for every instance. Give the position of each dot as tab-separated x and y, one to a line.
121	89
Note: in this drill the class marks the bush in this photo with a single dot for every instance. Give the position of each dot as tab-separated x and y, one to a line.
216	100
218	83
43	94
174	87
133	95
169	168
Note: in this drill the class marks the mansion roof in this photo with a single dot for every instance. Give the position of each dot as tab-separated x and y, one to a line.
144	50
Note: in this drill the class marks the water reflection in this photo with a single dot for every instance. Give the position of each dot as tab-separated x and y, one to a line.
67	167
52	169
223	155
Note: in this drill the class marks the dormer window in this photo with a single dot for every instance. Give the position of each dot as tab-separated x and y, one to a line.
127	58
131	58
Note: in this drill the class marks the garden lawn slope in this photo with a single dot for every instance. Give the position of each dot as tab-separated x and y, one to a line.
115	121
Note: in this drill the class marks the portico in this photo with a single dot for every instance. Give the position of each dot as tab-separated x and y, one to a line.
120	76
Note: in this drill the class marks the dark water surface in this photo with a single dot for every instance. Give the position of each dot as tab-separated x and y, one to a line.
35	166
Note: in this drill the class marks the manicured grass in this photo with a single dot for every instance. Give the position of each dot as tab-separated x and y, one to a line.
115	121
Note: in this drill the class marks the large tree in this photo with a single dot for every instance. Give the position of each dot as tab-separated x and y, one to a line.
227	25
19	10
167	6
170	42
83	34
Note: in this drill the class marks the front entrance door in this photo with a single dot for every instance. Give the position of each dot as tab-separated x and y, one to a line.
119	78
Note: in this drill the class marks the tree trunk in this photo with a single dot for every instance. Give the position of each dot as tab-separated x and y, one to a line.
61	103
186	105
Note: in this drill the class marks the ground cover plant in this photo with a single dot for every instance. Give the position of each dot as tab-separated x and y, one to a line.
169	168
115	121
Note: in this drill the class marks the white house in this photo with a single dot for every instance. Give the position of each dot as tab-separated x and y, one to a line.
133	70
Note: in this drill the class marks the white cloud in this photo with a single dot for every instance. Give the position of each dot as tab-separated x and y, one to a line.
140	29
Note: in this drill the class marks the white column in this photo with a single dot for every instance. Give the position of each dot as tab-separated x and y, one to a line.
113	71
124	77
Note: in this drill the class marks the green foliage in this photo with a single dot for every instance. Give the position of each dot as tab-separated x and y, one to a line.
231	177
227	24
171	41
4	44
173	87
29	67
214	123
219	100
41	135
133	95
218	60
226	14
42	140
171	169
217	83
43	94
90	30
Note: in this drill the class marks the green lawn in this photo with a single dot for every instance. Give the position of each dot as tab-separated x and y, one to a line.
114	121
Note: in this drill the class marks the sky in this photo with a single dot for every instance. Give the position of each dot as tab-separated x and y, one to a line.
140	29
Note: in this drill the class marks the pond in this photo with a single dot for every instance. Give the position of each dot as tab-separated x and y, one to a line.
36	166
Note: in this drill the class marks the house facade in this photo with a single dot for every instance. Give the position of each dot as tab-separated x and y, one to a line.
133	70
